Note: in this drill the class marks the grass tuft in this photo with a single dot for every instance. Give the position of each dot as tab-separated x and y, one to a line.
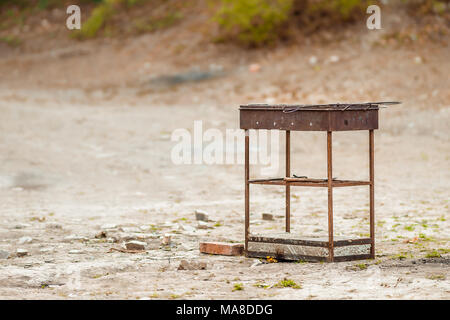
288	283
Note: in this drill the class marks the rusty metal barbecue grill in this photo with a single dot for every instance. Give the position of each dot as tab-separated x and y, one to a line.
324	117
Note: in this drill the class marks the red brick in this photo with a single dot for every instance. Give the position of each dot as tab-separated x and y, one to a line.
222	248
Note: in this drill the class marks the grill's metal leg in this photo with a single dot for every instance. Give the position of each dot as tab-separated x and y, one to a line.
372	194
288	187
330	196
247	190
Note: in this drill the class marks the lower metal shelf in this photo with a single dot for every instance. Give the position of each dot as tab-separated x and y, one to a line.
307	182
290	246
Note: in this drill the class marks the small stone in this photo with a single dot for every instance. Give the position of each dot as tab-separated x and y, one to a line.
135	245
148	236
313	60
137	236
191	265
334	59
44	250
22	226
418	60
4	254
201	215
130	229
74	237
166	239
145	228
202	225
256	263
21	252
153	245
126	236
75	251
222	248
53	226
24	240
167	225
267	216
254	67
101	235
185	227
109	226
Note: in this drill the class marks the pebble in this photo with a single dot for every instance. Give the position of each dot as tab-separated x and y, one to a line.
145	228
74	237
201	215
130	229
112	240
137	236
192	265
53	226
127	236
4	254
256	263
75	251
267	216
21	252
167	225
334	59
22	226
109	226
153	245
135	245
24	240
313	60
101	235
202	225
166	239
184	227
254	67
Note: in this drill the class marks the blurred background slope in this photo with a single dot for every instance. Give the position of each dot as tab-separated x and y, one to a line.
153	47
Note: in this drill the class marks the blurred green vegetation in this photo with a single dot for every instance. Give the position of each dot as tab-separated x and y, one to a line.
343	9
425	7
150	24
246	22
97	19
107	9
257	22
11	41
252	22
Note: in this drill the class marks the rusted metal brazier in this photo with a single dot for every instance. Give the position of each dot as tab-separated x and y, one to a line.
329	118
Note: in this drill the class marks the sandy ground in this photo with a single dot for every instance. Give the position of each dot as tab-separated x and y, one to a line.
77	160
